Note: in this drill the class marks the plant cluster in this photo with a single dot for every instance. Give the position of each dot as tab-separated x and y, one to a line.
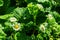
29	20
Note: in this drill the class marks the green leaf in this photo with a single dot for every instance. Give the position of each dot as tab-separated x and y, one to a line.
42	1
56	16
39	37
33	8
23	36
5	16
51	20
1	2
58	1
29	1
18	12
2	34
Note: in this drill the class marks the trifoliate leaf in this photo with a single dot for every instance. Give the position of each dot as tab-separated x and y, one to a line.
18	12
34	8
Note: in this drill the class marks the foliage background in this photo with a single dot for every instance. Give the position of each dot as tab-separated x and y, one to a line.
34	15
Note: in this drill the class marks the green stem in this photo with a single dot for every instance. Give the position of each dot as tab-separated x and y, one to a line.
35	20
15	37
